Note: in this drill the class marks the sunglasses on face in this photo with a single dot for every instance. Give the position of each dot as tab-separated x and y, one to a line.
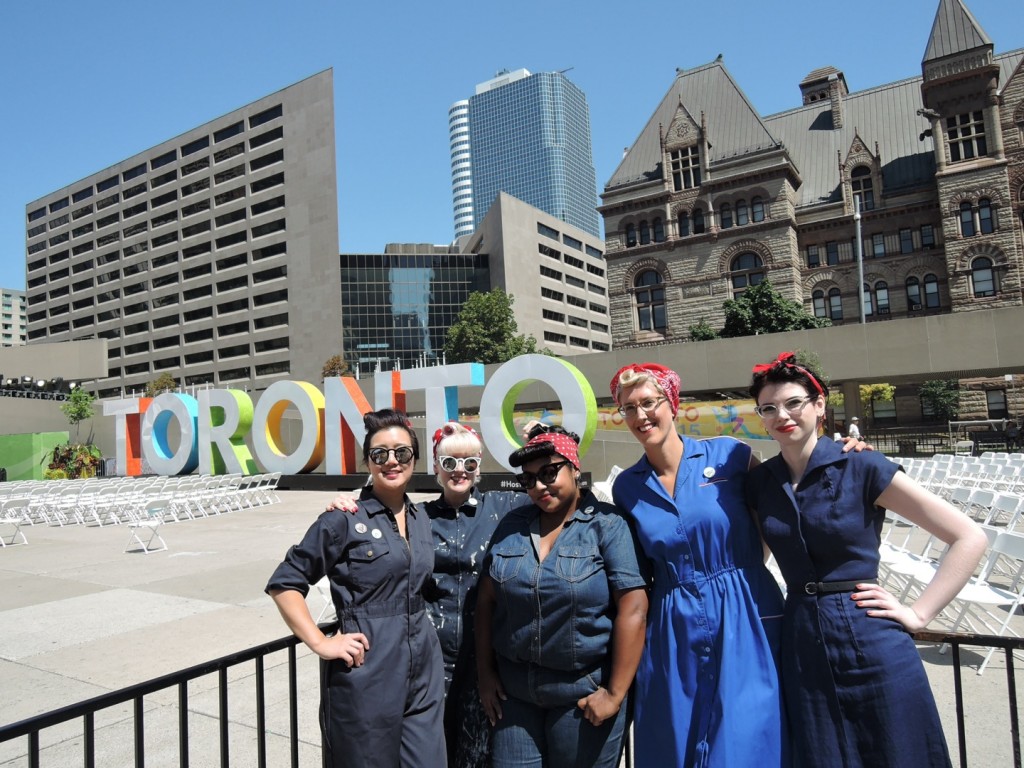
403	455
629	410
545	474
469	464
791	406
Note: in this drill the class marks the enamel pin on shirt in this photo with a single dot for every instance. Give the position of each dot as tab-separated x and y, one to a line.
361	528
709	472
376	533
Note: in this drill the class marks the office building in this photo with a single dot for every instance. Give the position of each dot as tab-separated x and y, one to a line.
462	168
529	136
397	306
204	257
12	317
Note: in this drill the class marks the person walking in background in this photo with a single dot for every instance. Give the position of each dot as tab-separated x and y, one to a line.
382	679
855	689
707	691
854	430
560	617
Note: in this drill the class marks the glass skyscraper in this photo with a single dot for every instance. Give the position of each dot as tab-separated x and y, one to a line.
529	136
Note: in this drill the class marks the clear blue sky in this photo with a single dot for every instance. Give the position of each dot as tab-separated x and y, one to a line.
88	84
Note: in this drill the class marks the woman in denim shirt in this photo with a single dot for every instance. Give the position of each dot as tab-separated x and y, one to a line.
561	615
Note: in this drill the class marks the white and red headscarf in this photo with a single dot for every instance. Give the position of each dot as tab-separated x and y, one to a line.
668	381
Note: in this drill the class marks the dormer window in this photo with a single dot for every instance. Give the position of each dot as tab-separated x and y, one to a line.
860	184
685	168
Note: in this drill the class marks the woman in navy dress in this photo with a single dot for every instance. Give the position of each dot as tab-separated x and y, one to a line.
382	683
855	689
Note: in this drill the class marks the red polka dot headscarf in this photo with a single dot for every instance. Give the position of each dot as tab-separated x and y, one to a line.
667	380
561	443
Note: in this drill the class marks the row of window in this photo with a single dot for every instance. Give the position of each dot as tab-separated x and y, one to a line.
695	222
876	246
575	341
569	240
277	368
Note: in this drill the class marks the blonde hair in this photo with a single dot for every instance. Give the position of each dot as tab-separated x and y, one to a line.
461	440
631	378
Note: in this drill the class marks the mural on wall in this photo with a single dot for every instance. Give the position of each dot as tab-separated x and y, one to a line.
213	424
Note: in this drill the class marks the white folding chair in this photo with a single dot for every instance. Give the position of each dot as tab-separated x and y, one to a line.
146	530
323	589
14	511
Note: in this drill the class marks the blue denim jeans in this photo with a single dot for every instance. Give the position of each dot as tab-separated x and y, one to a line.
541	725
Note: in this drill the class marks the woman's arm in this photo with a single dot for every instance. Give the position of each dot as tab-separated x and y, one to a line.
350	648
967	543
627	640
491	691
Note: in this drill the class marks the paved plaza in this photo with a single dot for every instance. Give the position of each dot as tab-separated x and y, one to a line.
79	617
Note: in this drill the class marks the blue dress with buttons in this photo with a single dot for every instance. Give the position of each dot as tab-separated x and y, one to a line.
855	689
388	712
707	687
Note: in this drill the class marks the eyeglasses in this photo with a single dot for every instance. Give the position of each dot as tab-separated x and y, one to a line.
629	410
545	474
791	406
403	455
451	463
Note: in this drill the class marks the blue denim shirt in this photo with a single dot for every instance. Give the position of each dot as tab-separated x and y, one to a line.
558	613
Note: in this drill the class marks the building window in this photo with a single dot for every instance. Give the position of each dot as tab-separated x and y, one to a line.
645	233
966	219
983	280
966	135
835	304
832	253
659	230
878	245
630	236
685	168
650	301
725	215
986	222
757	209
698	221
869	304
684	224
927	236
913	294
813	259
860	183
996	400
747	271
818	298
742	214
882	297
931	291
906	241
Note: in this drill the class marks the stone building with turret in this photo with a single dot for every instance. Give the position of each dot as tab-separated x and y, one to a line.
713	197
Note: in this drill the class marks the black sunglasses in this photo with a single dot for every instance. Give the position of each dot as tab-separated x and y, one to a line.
545	474
403	455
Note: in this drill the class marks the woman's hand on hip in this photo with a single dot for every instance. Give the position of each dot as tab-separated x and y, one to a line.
882	604
599	706
350	648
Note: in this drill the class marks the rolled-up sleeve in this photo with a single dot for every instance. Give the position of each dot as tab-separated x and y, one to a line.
308	561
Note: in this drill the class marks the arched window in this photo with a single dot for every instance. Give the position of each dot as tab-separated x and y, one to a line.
835	304
645	233
725	215
882	297
630	236
983	280
966	219
659	230
742	215
757	209
698	221
986	221
914	294
747	270
818	298
684	224
931	291
869	303
860	184
650	301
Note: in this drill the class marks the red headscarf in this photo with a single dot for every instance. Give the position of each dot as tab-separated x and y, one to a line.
788	360
668	381
564	445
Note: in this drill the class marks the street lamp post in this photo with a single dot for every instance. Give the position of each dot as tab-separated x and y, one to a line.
860	257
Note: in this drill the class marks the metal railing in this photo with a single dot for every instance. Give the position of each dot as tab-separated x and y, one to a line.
86	710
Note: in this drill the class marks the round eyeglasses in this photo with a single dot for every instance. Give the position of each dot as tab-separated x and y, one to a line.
545	474
469	464
403	455
790	406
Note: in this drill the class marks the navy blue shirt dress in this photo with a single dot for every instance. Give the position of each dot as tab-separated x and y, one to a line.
855	689
388	712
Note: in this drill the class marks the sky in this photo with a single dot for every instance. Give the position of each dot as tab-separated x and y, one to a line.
87	84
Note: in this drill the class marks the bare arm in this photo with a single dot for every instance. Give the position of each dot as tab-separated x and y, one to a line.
491	691
350	648
967	544
628	632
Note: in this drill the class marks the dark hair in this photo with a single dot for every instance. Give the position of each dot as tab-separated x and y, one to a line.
787	371
539	450
386	418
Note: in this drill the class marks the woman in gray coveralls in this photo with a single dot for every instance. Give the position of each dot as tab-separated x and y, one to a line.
382	682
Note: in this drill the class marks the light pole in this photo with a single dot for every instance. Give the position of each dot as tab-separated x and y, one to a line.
860	256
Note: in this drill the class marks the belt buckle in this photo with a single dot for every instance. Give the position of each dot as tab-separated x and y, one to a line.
811	588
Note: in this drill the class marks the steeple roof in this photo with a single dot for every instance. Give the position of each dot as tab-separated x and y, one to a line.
955	30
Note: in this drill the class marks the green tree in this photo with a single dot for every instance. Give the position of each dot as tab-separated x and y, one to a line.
485	331
78	407
702	331
165	382
336	366
943	396
762	309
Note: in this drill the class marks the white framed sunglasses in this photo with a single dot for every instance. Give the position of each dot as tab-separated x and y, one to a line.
469	464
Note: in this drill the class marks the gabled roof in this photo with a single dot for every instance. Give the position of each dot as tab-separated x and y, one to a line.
733	125
955	30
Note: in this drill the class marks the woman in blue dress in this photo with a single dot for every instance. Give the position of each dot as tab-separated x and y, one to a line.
707	691
850	671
